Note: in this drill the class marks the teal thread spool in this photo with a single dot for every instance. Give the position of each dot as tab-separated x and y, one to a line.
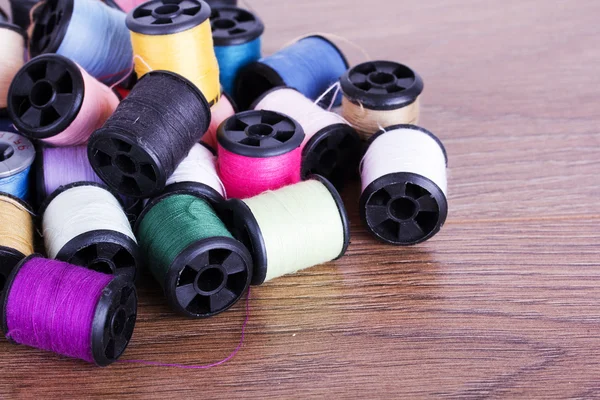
203	270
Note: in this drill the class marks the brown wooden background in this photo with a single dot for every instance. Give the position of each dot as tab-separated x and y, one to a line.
503	302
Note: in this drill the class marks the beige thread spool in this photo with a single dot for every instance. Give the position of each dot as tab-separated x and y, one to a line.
16	234
378	94
13	47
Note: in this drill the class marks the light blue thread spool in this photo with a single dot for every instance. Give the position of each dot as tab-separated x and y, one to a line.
16	156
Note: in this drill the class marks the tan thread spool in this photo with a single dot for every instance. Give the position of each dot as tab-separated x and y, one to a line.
16	229
13	47
379	94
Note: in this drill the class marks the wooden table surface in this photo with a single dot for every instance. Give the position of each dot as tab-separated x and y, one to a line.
503	302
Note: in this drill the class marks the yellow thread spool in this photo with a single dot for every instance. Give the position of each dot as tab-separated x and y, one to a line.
16	234
176	38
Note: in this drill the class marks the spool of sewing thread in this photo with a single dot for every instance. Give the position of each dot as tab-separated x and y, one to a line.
197	173
149	134
53	100
16	156
84	224
224	109
201	267
236	34
86	31
69	310
176	36
331	148
16	234
258	151
20	10
290	229
403	176
378	94
311	66
13	40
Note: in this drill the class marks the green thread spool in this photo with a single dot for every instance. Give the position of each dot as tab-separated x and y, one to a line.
203	270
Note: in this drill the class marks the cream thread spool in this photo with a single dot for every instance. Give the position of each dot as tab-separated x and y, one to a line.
16	234
84	224
378	94
13	41
290	229
404	185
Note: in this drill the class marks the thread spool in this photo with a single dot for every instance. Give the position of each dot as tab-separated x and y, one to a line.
16	156
403	174
310	65
290	229
53	100
224	109
86	31
197	173
84	224
331	148
20	10
176	36
149	134
13	41
69	310
203	270
258	151
16	234
236	34
378	94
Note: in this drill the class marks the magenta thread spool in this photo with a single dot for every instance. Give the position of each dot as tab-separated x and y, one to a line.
83	224
68	310
259	151
53	100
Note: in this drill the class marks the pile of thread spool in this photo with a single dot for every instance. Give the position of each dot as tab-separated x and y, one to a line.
156	133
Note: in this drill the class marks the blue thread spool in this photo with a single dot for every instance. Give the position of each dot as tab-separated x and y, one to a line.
16	156
236	35
86	31
310	65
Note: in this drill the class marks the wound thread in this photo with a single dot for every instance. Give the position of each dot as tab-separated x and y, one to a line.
200	166
16	229
13	47
16	156
219	112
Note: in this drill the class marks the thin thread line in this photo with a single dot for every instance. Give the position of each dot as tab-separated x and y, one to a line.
207	366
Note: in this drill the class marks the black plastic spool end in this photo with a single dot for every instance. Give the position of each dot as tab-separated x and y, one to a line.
123	164
166	17
233	26
260	134
404	208
114	317
381	85
222	3
45	96
51	21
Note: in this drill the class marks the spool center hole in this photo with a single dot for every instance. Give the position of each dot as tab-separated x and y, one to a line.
402	208
41	94
118	322
329	158
224	23
167	9
125	164
6	151
260	130
210	279
381	78
101	266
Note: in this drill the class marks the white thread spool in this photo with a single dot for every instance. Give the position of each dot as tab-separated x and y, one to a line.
13	50
379	94
290	229
84	224
331	147
198	168
403	176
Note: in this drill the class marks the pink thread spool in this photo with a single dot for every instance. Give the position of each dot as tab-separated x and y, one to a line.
258	151
125	5
69	310
53	100
332	148
224	109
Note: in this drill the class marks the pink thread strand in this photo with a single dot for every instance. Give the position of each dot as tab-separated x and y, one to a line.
99	102
219	113
207	366
245	177
51	306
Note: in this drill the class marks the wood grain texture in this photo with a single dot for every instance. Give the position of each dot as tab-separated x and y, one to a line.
503	302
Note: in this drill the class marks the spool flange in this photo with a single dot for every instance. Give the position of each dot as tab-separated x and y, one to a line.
51	21
233	26
166	17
